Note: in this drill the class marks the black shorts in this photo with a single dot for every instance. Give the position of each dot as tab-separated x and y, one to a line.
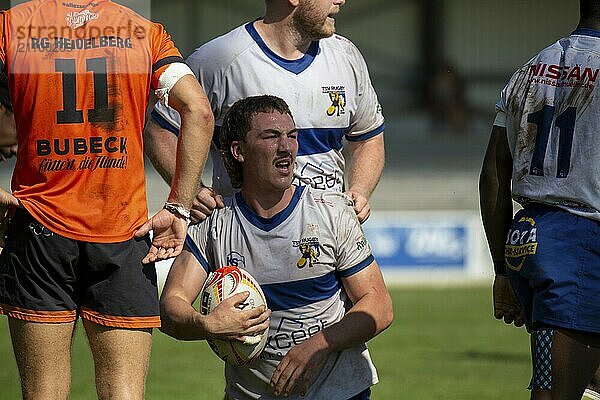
45	277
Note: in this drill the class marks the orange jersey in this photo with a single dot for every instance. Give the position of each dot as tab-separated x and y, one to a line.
80	74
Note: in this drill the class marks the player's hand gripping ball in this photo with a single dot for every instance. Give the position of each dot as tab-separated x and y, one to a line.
224	283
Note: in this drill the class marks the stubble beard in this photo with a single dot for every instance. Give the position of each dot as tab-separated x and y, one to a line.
308	25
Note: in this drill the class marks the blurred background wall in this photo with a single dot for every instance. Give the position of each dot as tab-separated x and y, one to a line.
438	67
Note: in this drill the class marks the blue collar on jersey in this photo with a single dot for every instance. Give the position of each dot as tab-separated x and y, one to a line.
294	66
586	32
268	224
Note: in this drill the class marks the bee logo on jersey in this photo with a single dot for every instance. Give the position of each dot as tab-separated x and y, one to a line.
337	95
77	19
310	249
236	259
520	242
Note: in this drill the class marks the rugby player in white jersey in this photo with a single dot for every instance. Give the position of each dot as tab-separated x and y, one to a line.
292	52
544	152
307	250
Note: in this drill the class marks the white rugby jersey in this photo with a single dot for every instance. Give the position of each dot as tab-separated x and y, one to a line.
328	91
298	258
550	108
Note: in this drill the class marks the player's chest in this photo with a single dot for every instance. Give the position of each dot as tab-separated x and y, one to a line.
317	96
292	252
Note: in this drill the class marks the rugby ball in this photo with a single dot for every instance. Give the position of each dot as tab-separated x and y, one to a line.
224	283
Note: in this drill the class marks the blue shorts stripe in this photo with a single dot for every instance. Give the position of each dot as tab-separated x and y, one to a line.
289	295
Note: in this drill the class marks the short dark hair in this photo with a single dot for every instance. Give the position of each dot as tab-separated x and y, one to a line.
589	10
237	124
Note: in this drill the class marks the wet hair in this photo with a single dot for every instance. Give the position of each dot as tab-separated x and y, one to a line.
589	10
238	122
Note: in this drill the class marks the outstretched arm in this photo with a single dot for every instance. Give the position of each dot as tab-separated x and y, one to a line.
367	159
371	313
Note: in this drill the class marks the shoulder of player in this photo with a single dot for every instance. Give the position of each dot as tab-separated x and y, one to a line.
215	219
342	44
224	49
26	9
331	201
228	205
548	53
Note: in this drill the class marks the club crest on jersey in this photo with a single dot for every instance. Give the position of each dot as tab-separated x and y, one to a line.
310	249
520	242
236	259
76	19
337	96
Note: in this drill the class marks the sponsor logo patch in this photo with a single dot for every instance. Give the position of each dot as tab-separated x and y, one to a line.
77	19
520	243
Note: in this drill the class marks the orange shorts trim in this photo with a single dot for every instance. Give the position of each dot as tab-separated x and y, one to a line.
51	317
120	322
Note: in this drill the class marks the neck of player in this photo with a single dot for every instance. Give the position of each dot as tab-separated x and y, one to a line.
267	203
280	36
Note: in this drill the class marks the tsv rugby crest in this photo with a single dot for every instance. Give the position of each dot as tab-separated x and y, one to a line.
310	249
337	95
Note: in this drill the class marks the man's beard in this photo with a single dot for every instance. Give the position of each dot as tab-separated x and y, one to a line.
306	22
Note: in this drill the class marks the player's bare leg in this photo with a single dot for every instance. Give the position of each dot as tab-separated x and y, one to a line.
121	360
43	354
574	362
537	394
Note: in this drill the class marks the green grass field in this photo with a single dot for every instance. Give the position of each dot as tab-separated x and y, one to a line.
444	344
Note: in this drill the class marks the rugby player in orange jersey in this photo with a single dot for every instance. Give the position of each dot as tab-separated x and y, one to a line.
80	75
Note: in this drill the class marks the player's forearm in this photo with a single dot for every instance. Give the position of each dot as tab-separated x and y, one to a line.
192	150
367	160
180	320
496	213
160	145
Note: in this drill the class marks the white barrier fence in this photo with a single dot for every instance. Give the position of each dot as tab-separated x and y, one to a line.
437	247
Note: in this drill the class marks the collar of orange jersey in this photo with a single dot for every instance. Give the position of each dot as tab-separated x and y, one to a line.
82	4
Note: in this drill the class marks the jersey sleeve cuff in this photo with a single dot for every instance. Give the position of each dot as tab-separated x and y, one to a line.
196	252
500	119
366	135
358	267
